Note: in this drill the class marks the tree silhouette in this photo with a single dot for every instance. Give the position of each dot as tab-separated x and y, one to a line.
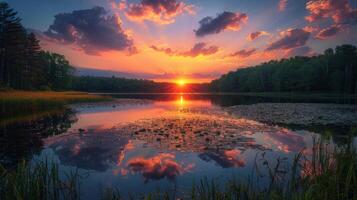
334	71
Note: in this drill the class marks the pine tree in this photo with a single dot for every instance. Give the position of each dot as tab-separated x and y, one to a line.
12	43
33	70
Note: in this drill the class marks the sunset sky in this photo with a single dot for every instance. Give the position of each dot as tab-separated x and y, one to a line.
195	40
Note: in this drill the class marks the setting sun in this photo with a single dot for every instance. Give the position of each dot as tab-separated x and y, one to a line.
181	82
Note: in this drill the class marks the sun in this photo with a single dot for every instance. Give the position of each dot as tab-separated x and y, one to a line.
181	82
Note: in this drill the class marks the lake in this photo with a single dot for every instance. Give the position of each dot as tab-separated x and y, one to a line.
141	143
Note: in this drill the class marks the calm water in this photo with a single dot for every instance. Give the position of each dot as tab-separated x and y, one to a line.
142	143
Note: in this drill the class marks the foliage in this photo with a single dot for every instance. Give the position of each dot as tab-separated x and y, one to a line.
335	71
23	65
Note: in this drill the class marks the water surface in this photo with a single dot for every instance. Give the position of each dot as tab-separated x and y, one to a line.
141	143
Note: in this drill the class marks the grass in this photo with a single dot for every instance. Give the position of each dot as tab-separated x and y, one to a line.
25	104
43	181
323	172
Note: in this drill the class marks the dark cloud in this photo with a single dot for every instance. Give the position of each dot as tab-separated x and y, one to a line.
340	11
159	11
256	34
243	53
290	38
227	159
299	51
198	49
329	32
92	30
223	21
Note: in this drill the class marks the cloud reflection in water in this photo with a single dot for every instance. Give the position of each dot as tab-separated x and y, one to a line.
158	167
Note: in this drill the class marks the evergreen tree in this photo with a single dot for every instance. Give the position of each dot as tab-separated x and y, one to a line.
12	40
34	69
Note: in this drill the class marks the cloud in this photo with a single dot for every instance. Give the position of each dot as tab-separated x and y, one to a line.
256	35
329	32
340	11
225	159
158	11
289	39
92	30
223	21
282	5
197	50
243	53
299	51
157	167
311	29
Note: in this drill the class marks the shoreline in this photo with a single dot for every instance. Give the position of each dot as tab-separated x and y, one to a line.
26	105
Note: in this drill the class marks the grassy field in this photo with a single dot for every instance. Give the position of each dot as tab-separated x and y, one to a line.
24	104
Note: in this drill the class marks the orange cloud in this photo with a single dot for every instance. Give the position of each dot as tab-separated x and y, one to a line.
233	157
340	11
158	167
256	35
158	11
311	29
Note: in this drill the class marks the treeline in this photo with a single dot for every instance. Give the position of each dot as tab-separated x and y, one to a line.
335	71
23	64
114	84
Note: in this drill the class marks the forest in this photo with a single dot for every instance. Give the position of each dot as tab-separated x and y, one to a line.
23	64
335	71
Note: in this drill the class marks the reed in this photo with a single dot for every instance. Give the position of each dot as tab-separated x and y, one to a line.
21	104
43	180
322	172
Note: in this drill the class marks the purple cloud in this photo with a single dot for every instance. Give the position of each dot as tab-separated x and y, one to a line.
290	38
92	30
198	49
329	32
223	21
243	53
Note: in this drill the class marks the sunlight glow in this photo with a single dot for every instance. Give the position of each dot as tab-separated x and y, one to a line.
181	82
180	102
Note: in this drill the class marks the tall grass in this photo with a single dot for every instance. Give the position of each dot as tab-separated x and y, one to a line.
42	181
327	173
21	104
322	172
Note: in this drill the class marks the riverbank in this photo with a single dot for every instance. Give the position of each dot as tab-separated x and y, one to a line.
22	104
